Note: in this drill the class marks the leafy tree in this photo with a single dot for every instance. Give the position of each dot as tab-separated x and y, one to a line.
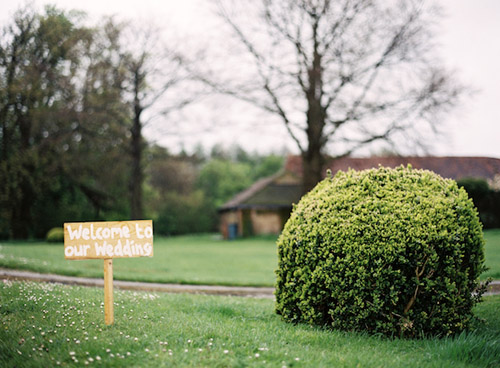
267	166
64	123
221	179
338	74
39	57
99	162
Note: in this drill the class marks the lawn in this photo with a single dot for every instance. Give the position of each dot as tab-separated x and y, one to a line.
45	325
492	251
202	259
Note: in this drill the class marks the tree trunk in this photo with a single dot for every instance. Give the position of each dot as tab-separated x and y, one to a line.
312	159
312	169
137	175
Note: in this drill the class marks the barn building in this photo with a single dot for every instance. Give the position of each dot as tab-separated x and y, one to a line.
264	207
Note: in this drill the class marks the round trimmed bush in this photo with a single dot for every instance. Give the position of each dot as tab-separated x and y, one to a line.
55	235
390	251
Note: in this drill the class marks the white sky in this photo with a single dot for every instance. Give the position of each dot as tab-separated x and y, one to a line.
470	44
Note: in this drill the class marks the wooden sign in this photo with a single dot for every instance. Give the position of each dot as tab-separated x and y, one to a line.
108	240
102	240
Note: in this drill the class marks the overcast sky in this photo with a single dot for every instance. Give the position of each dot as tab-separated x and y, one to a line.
470	44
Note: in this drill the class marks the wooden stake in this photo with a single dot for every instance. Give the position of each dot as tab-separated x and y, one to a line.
109	317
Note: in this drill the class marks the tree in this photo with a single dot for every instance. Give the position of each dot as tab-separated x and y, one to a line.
155	76
222	179
96	159
339	74
73	103
64	123
39	55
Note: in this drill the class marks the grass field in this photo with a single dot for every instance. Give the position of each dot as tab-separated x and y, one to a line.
201	259
47	325
492	251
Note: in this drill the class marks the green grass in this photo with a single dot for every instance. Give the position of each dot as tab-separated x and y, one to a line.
492	251
202	259
45	325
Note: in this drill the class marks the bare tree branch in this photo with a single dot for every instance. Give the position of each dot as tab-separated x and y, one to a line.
346	72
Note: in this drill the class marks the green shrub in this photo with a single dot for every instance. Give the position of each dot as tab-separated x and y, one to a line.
55	235
486	200
391	251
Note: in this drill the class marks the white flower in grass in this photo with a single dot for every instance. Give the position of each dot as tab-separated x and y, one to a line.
226	351
71	353
257	355
97	357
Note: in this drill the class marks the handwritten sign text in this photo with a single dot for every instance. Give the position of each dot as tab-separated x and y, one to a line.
101	240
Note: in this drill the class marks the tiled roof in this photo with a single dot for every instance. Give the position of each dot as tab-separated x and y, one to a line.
448	167
271	192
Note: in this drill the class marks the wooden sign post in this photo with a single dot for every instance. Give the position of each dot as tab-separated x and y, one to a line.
108	240
109	316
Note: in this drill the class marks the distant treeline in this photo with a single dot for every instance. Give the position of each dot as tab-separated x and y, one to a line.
181	192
